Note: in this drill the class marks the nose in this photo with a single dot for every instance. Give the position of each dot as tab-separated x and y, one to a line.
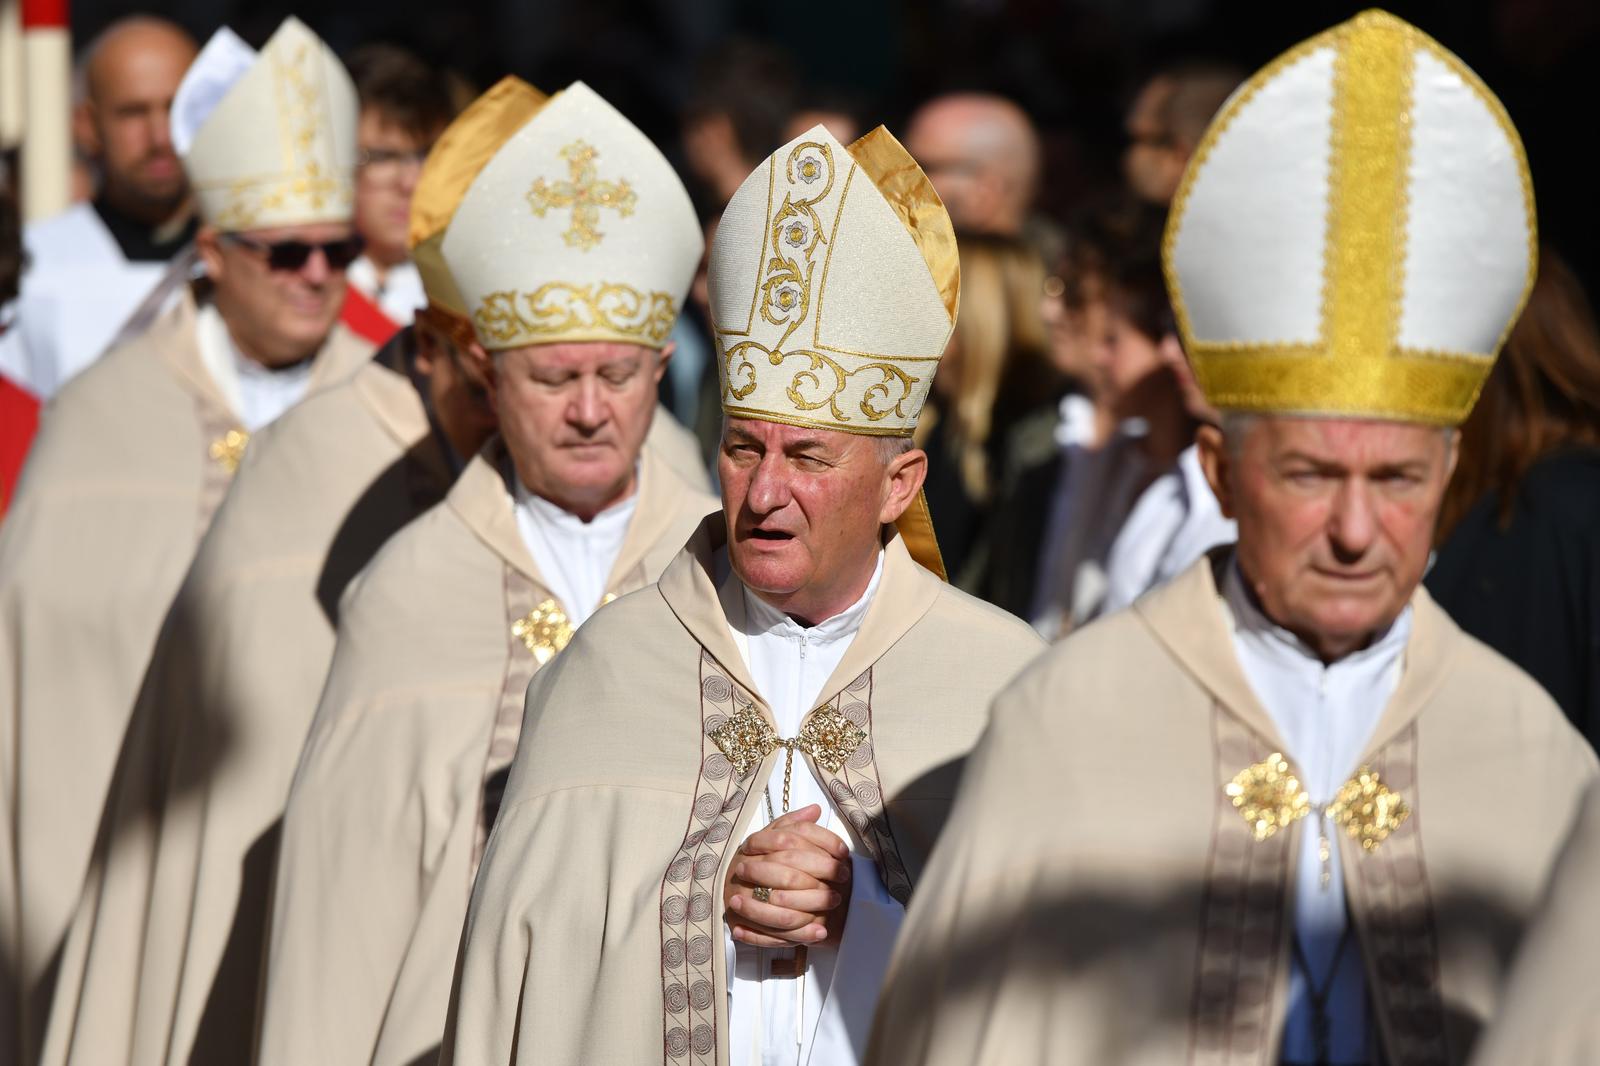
587	410
161	129
1352	523
317	269
769	486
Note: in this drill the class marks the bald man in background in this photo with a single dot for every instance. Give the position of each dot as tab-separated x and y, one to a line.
982	154
92	265
1164	126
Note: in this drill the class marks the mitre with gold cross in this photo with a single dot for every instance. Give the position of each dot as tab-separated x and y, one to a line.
578	229
460	153
268	139
1355	234
834	282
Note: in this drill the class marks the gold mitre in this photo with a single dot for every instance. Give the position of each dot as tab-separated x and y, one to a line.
268	139
834	281
1355	234
577	230
460	153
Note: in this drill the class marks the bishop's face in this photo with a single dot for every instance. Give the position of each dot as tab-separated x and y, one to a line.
1336	519
806	508
574	417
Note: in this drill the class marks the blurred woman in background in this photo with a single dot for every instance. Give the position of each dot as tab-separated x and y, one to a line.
995	381
1518	564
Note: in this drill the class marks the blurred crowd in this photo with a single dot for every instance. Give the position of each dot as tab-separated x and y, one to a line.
1063	481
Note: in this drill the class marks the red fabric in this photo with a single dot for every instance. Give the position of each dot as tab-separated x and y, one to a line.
365	319
48	13
19	420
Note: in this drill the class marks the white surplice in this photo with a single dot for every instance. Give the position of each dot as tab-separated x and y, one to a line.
257	394
1326	714
75	294
399	295
1175	521
573	556
824	1016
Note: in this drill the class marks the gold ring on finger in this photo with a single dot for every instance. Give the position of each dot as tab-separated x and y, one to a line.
763	894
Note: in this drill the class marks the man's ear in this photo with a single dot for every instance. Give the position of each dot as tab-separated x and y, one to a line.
903	479
661	364
208	244
1216	463
84	131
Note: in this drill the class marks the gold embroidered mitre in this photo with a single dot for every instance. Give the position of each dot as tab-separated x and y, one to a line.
1355	234
577	230
834	282
268	139
461	151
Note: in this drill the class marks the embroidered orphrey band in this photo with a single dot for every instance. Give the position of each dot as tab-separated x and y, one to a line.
1232	1014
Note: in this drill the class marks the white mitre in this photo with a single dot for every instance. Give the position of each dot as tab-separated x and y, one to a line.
834	282
268	139
577	230
1355	234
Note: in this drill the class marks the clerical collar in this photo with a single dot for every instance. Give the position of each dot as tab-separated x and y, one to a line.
760	617
141	243
553	514
1252	623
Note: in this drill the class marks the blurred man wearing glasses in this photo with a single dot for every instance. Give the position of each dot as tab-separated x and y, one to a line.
405	103
134	456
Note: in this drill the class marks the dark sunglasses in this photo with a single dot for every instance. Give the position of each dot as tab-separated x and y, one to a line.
293	255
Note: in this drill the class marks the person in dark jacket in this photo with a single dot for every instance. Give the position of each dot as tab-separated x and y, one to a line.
1518	561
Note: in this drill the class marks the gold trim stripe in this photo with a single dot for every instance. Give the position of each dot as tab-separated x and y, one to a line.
1371	162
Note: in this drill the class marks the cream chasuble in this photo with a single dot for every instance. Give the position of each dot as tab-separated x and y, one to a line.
596	932
163	958
1148	918
406	760
131	461
1551	1012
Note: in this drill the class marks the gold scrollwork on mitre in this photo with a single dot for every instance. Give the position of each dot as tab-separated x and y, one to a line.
588	312
228	449
1268	795
822	382
794	234
1368	809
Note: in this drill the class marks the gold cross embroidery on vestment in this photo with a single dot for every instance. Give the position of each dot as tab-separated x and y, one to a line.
228	449
585	193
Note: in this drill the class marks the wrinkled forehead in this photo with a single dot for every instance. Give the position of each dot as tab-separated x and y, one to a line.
311	233
1352	442
780	435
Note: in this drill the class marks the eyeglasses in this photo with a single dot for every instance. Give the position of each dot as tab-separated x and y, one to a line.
293	255
389	160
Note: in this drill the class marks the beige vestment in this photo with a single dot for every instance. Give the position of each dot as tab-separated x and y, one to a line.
401	774
595	933
131	461
1550	1015
163	952
1097	897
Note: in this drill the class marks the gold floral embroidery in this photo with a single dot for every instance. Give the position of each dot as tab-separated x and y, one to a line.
228	449
546	630
579	312
585	192
1269	796
796	231
1368	809
826	735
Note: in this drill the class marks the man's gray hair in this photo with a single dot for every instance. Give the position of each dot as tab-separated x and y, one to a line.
891	448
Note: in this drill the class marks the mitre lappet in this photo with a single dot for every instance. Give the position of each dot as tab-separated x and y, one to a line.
834	284
1355	234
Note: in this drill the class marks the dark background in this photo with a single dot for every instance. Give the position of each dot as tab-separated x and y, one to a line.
1072	65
